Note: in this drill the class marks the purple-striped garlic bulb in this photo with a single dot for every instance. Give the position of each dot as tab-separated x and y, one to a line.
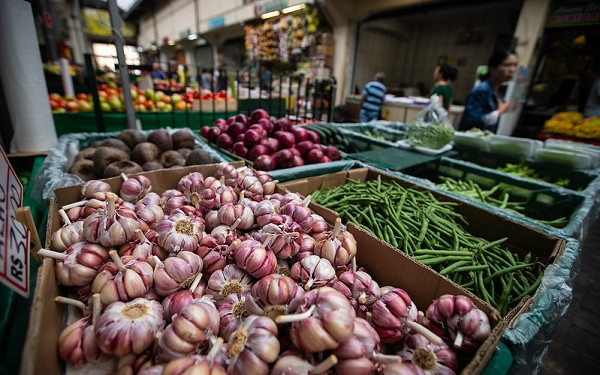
265	211
268	184
129	327
224	194
300	214
123	279
132	364
79	264
143	248
251	187
110	226
313	272
420	356
225	234
394	315
229	280
253	346
176	272
360	289
255	258
324	319
172	199
287	238
307	247
230	212
77	342
68	234
293	363
455	318
191	186
194	324
229	172
337	246
274	295
289	198
197	364
319	225
153	370
149	215
134	188
211	219
150	198
180	232
232	312
94	189
215	256
355	354
173	303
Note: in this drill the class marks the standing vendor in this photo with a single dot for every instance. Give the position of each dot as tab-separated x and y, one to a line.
484	104
373	96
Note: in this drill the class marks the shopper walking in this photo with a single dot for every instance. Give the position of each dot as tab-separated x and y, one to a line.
373	96
485	104
443	75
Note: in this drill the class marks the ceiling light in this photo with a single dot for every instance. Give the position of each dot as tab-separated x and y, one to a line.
293	8
193	36
272	14
171	43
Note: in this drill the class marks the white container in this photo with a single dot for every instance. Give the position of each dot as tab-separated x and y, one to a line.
472	140
516	147
563	158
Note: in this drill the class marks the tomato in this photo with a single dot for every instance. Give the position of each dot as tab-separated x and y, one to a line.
54	104
72	106
82	96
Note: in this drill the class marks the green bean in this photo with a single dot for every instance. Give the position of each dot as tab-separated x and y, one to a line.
442	252
447	258
454	266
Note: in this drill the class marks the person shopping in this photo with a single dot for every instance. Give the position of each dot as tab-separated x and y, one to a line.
484	104
373	96
443	75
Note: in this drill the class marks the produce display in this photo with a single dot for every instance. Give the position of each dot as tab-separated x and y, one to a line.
221	275
523	170
472	190
330	134
268	142
431	232
429	136
573	124
133	152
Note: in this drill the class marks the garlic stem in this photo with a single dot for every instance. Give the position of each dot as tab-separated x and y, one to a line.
214	350
52	254
290	318
432	337
328	363
241	196
458	340
140	235
362	298
336	228
267	241
64	216
195	282
110	208
306	201
117	260
96	307
309	283
354	264
124	176
157	262
231	247
292	234
235	224
384	358
76	204
70	301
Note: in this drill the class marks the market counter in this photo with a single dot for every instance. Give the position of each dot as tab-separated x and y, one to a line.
406	112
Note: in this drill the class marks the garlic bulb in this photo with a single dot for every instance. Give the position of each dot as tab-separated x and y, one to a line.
172	199
134	188
230	212
274	295
393	315
173	303
232	312
68	234
197	364
313	272
360	289
143	248
300	214
194	324
129	327
229	280
255	258
354	354
292	363
421	356
79	264
287	237
136	364
110	226
93	189
214	256
123	279
176	273
180	232
324	319
149	216
253	346
337	246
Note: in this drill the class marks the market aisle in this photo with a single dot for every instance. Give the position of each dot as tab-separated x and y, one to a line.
576	346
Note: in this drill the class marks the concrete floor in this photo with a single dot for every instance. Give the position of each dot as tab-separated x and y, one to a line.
576	345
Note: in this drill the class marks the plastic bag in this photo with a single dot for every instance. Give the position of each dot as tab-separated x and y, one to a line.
432	127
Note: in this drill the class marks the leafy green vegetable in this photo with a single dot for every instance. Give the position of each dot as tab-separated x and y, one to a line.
430	136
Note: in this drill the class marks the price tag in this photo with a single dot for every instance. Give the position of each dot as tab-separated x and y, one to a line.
14	236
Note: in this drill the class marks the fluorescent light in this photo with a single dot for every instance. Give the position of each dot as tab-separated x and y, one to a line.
140	49
171	43
193	36
272	14
293	8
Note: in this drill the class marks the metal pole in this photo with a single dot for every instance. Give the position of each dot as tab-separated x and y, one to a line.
116	24
91	81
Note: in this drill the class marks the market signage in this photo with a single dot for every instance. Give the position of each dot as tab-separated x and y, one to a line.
269	6
14	236
574	13
216	22
96	22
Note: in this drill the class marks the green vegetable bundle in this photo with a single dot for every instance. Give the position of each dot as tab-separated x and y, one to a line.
430	136
522	170
431	232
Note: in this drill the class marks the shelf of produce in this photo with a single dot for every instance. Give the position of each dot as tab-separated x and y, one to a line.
396	159
544	136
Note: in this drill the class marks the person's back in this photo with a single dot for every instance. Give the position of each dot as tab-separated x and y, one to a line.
373	96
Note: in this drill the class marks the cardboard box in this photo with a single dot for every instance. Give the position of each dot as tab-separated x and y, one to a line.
381	260
521	238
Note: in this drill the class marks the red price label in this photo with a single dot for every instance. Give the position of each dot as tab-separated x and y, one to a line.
14	236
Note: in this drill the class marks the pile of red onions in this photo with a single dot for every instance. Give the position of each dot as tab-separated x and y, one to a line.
268	142
250	282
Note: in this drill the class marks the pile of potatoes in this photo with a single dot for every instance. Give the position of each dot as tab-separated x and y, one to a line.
133	152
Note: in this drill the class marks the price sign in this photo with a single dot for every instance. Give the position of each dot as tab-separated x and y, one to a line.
14	236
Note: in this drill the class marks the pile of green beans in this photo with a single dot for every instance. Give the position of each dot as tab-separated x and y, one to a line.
470	189
430	231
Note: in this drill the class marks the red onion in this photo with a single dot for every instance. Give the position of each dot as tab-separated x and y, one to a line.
264	163
332	152
283	124
284	158
315	156
213	134
304	147
271	143
259	114
236	128
239	149
224	141
313	137
252	138
299	133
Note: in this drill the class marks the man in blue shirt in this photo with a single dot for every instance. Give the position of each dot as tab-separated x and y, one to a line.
373	96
